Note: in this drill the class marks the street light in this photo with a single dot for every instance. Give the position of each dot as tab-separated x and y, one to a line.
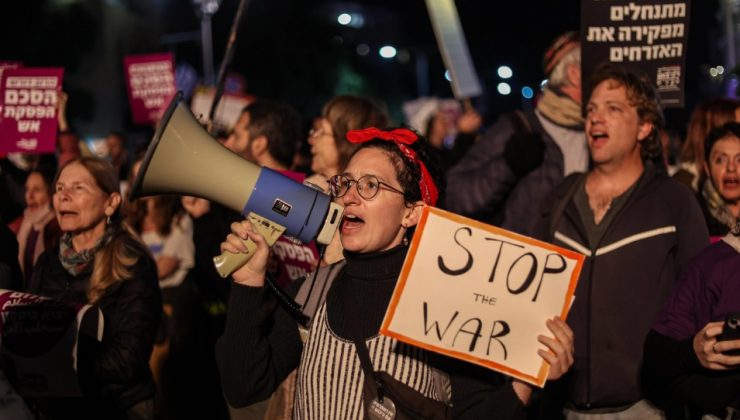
527	92
344	19
505	72
387	51
503	88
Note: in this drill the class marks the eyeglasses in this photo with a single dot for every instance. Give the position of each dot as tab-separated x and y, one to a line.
317	132
367	186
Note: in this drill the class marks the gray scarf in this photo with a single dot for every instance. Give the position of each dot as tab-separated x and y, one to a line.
76	262
718	208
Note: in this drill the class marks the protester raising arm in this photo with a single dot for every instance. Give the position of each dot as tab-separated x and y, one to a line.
260	345
383	190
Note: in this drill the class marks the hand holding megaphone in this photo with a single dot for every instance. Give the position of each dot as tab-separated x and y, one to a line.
255	225
250	250
184	159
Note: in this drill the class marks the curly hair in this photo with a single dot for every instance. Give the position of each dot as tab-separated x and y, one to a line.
408	173
641	94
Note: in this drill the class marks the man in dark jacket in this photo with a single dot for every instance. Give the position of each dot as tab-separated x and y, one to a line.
638	229
504	177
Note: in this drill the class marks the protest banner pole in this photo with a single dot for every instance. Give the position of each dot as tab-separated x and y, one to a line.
226	62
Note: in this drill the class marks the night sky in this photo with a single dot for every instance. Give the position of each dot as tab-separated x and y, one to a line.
294	50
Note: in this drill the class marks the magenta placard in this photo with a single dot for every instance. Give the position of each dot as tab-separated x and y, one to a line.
150	81
28	112
6	64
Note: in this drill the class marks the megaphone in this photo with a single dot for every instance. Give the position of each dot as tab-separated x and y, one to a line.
184	159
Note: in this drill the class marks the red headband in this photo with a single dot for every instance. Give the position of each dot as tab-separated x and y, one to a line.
401	137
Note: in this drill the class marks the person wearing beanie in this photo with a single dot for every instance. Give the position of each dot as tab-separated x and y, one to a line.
506	174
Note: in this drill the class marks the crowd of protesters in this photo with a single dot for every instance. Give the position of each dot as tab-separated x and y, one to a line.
589	173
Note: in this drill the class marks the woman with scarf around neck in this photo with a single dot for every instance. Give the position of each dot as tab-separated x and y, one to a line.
720	192
383	189
98	261
38	228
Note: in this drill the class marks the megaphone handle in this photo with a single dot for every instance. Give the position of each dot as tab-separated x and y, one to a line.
228	262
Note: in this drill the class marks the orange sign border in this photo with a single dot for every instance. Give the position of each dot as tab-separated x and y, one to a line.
542	374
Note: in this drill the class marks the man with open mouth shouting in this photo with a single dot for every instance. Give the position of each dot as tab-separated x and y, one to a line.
638	229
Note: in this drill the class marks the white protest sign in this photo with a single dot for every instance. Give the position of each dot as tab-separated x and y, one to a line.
228	111
481	294
454	48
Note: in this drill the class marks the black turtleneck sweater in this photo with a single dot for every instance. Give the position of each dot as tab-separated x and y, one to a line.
261	344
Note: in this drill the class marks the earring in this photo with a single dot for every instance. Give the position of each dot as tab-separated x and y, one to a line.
107	220
405	240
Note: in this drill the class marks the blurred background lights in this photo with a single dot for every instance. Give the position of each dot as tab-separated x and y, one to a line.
505	72
344	19
387	51
527	92
363	49
716	72
353	20
503	88
404	56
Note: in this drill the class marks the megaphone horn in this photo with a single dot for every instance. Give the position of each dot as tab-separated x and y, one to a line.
183	159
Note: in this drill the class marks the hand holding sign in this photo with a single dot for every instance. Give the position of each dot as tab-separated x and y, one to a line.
483	295
560	353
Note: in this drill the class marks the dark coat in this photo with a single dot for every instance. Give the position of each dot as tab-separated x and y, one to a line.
132	310
673	377
624	281
482	185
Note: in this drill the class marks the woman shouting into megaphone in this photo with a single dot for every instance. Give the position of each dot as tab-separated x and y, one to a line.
388	180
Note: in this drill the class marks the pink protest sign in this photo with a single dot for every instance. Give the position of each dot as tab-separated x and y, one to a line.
4	65
28	99
150	81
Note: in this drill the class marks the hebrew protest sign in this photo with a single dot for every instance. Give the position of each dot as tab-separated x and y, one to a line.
150	81
649	37
6	64
45	344
28	109
481	294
